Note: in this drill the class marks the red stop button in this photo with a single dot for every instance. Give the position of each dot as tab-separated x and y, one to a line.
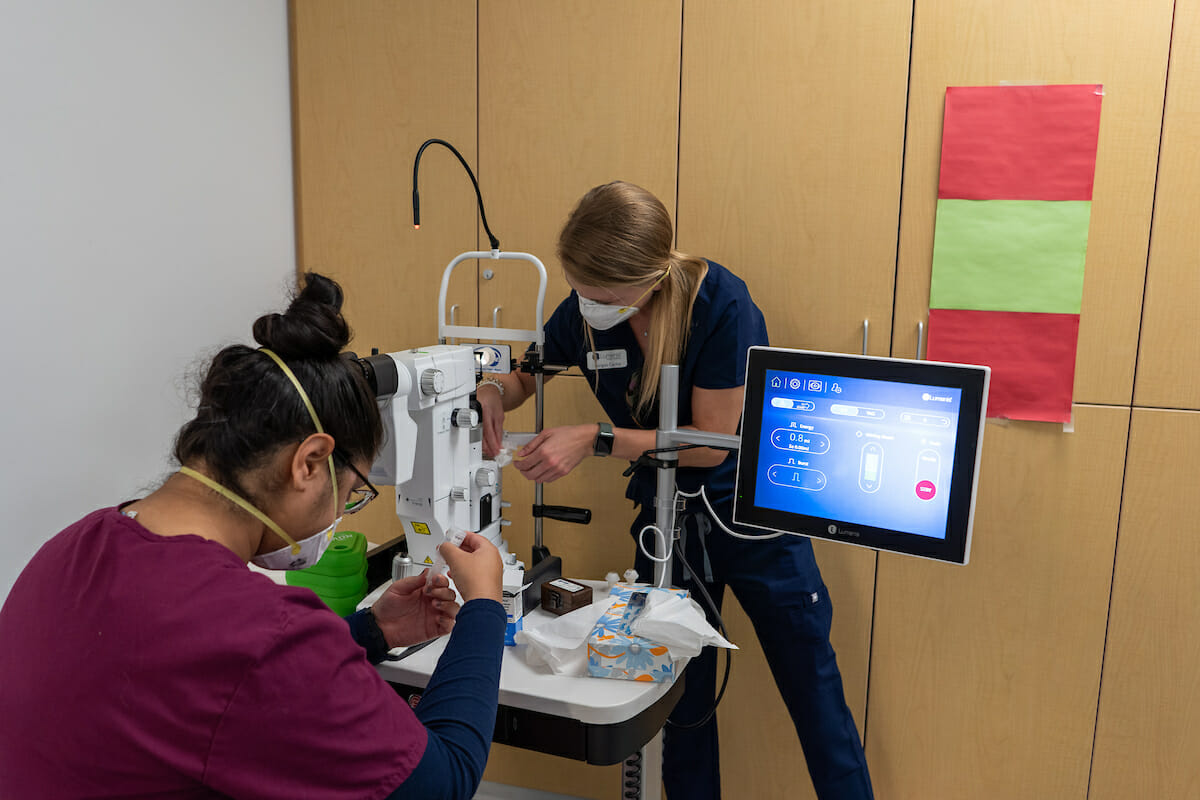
926	490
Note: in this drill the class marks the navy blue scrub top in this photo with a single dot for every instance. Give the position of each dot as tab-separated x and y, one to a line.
725	323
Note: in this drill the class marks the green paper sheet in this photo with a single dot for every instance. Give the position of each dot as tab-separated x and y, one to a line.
1010	255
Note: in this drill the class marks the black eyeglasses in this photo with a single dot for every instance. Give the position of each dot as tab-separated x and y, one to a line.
361	495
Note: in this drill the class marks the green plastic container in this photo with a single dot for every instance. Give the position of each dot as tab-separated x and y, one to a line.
340	577
333	586
344	606
346	555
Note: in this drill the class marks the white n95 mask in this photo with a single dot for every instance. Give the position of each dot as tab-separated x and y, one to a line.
602	316
311	550
293	555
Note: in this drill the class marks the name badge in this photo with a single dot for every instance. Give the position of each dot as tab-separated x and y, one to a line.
607	359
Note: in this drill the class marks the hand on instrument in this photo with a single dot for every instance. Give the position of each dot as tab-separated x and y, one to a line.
408	614
556	451
492	407
475	566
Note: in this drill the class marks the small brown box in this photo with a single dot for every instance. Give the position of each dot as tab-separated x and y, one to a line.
560	596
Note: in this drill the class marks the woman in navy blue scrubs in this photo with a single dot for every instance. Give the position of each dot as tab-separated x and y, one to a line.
636	304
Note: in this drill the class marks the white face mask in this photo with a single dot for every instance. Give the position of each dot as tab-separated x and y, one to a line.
311	550
603	316
293	555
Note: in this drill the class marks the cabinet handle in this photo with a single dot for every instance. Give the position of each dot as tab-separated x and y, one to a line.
453	320
495	320
920	339
866	330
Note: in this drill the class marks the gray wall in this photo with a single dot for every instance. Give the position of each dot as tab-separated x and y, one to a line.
145	220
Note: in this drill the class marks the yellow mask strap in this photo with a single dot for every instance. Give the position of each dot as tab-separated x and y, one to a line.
661	278
242	503
312	412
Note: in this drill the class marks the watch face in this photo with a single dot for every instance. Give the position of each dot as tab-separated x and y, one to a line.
604	440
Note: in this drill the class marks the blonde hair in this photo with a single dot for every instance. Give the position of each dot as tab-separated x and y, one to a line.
621	235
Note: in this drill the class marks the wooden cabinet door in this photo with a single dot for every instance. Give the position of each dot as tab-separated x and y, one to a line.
571	95
1168	373
985	677
791	140
1146	736
370	82
1048	42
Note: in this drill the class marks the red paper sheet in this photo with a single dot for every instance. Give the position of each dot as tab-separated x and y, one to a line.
1032	357
1020	142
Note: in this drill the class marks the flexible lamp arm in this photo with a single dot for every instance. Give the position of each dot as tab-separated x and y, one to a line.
479	197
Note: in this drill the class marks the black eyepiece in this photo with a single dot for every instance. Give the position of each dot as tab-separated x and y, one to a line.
379	372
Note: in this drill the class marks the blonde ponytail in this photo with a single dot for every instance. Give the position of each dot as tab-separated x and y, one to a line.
670	324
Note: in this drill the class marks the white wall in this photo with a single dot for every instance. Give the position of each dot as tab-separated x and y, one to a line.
145	219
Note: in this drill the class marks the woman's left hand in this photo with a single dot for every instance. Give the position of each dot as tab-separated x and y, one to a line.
407	614
556	451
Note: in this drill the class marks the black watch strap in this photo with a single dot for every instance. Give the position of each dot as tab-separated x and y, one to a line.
366	631
604	440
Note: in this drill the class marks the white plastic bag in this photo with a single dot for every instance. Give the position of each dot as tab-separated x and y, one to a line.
678	623
561	644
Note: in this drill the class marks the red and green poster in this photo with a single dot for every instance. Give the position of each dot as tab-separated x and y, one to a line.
1014	201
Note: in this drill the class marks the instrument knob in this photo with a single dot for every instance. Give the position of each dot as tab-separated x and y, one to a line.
465	418
433	381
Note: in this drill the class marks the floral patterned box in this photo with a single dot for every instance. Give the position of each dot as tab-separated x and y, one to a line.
615	652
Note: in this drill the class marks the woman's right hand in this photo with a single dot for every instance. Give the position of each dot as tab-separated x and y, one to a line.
475	566
492	406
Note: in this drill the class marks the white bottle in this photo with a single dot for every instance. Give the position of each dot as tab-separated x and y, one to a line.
453	535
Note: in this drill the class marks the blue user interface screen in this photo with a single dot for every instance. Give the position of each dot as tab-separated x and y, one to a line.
868	452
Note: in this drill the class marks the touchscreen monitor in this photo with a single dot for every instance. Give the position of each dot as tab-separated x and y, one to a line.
877	452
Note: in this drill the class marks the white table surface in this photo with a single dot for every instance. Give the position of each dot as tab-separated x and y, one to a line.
594	701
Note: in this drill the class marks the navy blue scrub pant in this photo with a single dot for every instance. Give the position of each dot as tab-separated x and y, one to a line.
779	586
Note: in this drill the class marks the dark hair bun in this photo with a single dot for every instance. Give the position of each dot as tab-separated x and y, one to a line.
312	326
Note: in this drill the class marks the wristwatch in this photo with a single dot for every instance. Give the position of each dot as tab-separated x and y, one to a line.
604	440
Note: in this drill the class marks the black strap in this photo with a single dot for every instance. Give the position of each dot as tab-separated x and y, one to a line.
366	631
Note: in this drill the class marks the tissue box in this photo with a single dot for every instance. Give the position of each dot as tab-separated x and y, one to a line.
614	651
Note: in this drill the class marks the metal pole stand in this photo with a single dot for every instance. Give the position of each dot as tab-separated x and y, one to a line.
668	435
641	777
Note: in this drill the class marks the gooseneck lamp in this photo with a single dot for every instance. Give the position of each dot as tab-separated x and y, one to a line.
495	243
